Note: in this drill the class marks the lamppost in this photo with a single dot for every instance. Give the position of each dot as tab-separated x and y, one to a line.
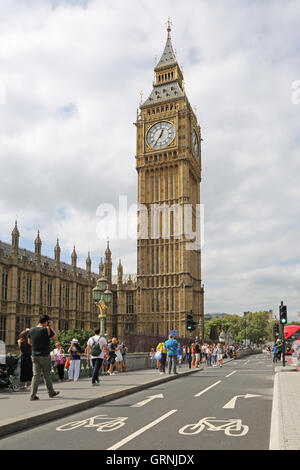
102	297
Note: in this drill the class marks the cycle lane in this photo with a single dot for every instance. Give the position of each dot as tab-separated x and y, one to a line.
154	425
251	414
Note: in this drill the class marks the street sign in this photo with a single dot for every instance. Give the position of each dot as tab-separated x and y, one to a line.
173	332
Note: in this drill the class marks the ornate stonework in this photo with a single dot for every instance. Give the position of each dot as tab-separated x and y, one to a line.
168	163
32	284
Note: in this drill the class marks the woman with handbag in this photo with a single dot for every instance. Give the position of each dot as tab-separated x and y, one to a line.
26	361
161	352
60	360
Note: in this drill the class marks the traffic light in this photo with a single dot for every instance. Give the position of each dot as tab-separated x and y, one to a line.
276	330
190	323
283	314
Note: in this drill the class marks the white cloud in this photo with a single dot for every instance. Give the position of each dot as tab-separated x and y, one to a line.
72	72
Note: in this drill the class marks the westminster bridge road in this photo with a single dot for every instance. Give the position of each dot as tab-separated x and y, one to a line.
216	408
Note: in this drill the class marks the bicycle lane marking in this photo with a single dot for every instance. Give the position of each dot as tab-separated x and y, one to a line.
208	388
231	427
108	424
141	431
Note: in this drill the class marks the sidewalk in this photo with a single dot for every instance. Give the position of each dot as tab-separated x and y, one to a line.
285	426
19	413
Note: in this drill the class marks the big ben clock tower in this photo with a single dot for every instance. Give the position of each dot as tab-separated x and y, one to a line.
168	162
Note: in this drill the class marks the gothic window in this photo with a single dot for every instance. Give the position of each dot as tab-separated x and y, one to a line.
152	260
2	328
166	186
82	299
115	303
49	294
167	258
19	289
67	299
172	223
129	302
171	188
153	187
28	290
4	284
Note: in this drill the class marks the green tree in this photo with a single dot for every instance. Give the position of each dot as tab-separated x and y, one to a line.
255	327
65	337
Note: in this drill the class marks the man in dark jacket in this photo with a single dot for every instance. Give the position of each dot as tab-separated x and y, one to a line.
39	339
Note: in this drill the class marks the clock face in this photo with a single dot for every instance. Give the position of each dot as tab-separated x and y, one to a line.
195	143
160	135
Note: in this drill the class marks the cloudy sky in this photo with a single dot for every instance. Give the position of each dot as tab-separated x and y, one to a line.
71	73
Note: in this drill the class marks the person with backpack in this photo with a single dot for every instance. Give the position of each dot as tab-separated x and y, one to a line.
96	349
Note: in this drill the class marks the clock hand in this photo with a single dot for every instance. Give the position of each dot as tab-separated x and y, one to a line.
159	136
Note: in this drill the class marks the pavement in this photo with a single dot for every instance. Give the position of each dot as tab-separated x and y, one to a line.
285	425
19	413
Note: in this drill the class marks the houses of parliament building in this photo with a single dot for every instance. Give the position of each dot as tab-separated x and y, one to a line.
168	283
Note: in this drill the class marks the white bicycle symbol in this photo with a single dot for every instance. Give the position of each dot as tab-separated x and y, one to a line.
102	422
231	427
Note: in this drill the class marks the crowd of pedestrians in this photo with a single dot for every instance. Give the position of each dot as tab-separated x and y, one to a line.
103	357
37	358
172	353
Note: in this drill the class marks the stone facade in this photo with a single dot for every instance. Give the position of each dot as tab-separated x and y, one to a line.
32	284
168	163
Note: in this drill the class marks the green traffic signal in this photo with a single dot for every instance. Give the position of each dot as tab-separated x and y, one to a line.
283	314
189	321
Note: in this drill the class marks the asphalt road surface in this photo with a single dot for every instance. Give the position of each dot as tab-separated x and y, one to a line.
217	408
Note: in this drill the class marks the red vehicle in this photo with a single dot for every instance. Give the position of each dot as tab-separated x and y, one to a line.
291	334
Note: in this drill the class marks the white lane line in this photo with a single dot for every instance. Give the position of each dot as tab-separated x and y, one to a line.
140	431
231	373
208	388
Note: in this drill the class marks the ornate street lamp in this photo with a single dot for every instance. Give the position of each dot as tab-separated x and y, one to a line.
102	297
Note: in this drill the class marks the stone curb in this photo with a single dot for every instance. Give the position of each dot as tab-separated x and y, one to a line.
14	425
